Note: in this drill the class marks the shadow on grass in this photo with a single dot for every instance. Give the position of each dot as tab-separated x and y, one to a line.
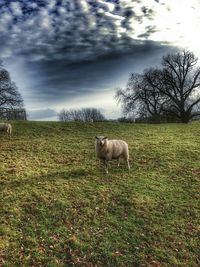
54	176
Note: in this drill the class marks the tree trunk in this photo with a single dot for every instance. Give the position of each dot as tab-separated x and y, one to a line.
185	117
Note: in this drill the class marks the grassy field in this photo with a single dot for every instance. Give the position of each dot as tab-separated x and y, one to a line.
58	208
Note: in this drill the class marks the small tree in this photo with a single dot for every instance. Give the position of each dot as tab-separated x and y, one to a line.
141	96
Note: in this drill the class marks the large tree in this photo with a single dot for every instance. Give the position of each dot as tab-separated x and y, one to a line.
173	90
182	83
180	80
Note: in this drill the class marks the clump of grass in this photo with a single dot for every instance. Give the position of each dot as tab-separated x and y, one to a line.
59	208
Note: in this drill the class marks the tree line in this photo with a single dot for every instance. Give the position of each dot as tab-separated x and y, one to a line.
84	114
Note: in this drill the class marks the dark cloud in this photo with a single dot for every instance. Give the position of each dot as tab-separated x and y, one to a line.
148	32
78	30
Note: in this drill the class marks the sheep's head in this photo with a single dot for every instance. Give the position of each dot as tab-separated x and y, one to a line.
101	140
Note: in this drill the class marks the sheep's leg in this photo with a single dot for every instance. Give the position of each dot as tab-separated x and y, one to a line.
128	165
9	132
106	166
118	163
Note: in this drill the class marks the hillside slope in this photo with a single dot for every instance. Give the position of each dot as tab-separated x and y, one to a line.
60	209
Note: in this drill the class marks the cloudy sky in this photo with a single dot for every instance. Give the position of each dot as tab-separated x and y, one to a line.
74	53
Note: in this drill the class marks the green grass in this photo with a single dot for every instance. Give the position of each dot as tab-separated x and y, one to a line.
60	209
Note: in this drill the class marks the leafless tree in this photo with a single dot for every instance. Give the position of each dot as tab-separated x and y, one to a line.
84	114
173	90
141	96
9	94
181	76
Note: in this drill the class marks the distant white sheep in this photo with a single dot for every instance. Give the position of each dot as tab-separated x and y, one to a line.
111	149
6	127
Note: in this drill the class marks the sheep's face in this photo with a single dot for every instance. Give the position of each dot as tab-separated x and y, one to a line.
101	140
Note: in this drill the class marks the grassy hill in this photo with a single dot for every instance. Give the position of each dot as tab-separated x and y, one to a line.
60	209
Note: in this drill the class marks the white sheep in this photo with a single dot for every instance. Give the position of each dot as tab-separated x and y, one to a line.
6	127
111	149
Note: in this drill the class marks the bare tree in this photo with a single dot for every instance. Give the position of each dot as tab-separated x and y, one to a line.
84	114
142	96
63	115
173	90
9	94
181	78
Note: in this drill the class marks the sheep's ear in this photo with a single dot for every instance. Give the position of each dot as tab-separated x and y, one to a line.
96	137
105	137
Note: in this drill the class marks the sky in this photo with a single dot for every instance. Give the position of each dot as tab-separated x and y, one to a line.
75	53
